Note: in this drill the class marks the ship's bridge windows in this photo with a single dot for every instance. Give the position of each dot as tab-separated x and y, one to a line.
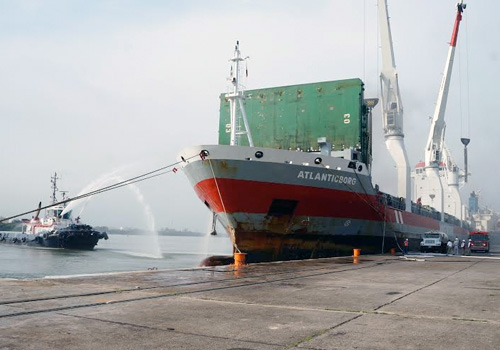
282	207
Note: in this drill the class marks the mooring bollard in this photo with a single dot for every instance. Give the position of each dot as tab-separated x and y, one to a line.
239	259
356	252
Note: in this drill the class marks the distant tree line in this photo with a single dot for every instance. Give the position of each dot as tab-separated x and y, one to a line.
135	231
171	232
15	225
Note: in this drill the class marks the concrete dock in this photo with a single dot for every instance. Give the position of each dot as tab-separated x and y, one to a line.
382	302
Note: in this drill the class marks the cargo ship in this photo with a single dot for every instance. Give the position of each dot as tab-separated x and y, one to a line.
55	230
290	177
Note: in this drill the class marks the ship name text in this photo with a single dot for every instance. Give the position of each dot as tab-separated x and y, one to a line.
311	175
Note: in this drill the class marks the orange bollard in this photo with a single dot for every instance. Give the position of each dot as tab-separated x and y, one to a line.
356	252
239	259
393	251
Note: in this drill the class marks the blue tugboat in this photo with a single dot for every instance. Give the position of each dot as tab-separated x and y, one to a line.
56	230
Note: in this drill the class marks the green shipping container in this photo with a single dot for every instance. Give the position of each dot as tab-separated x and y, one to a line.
294	117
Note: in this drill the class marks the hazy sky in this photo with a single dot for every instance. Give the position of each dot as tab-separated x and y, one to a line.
95	89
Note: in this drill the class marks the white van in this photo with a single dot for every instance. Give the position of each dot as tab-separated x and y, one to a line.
434	241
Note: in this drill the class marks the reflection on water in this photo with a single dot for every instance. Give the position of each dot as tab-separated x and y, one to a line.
119	253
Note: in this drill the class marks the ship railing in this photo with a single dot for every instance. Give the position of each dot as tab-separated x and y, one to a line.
452	219
425	211
391	201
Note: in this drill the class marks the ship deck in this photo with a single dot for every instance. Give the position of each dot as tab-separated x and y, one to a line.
382	302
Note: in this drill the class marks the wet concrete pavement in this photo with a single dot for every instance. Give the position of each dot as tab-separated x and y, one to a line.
383	302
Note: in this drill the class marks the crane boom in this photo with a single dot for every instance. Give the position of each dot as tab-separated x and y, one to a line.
429	186
391	99
434	149
392	107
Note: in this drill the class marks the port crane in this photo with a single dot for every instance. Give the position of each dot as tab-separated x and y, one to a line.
429	185
392	107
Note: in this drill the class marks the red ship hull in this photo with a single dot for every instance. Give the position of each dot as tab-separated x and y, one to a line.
284	206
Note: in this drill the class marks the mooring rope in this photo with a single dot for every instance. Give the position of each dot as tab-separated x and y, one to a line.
382	215
135	179
230	228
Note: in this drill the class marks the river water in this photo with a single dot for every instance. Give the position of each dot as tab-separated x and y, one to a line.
121	252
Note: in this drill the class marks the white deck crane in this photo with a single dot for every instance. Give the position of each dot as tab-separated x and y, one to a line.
431	191
392	107
451	182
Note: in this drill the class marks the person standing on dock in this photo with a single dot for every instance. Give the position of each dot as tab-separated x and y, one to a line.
456	243
462	246
468	246
449	248
406	244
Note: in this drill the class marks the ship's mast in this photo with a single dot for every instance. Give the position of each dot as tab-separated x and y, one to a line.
435	142
53	180
236	100
392	107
